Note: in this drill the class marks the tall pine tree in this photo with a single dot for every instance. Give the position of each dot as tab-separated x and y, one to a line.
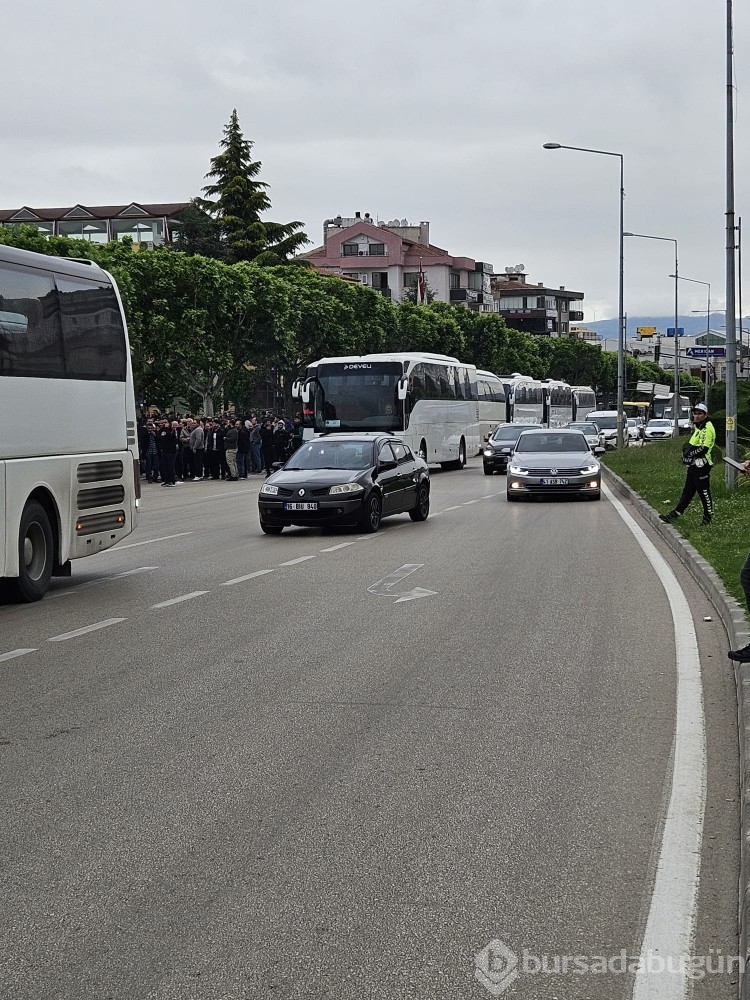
236	199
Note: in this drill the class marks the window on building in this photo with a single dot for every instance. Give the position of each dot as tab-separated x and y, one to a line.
550	302
512	302
379	279
377	249
349	249
455	280
475	280
410	279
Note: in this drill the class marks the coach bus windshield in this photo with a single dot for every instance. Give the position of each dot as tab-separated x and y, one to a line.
358	397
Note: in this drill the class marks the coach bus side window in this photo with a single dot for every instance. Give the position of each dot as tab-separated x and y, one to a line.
416	383
30	340
92	330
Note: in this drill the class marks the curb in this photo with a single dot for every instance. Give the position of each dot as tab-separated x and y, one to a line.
735	622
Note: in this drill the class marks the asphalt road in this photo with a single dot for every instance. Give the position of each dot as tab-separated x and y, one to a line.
256	777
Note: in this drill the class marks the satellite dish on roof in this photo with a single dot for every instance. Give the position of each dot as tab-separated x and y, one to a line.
394	222
520	268
510	270
404	222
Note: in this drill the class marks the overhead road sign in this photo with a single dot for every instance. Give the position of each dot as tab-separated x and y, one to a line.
680	331
646	331
706	352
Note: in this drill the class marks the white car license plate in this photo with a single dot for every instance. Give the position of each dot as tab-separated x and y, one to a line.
300	506
554	482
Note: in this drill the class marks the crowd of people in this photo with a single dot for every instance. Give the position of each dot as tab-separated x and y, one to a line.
191	449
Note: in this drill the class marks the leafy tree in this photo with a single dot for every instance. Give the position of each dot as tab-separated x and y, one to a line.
197	233
240	199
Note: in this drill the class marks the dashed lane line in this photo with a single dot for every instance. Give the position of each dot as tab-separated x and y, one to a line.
180	599
300	559
150	541
14	653
100	580
88	628
335	548
248	576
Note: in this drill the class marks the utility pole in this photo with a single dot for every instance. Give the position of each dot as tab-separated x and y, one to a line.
731	338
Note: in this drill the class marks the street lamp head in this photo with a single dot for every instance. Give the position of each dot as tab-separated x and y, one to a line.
628	234
552	145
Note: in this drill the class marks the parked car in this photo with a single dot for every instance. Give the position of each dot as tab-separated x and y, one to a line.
606	421
499	447
634	431
659	428
355	479
556	461
591	432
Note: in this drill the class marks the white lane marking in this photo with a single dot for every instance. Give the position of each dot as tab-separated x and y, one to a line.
456	506
179	600
384	587
88	628
670	927
99	581
366	538
248	576
293	562
14	653
150	541
335	548
467	502
489	496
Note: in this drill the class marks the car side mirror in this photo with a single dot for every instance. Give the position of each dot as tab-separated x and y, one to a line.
385	466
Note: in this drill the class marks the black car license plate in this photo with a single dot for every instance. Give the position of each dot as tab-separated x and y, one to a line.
554	482
300	506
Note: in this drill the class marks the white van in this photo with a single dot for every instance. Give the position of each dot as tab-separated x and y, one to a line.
606	421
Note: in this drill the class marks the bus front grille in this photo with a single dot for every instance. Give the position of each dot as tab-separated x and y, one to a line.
95	472
90	524
105	496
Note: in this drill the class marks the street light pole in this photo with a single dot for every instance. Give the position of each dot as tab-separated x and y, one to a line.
621	287
731	335
708	319
677	406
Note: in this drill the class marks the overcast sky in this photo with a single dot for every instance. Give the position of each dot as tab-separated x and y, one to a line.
434	110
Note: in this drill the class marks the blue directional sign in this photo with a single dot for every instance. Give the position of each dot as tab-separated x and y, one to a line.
680	331
706	352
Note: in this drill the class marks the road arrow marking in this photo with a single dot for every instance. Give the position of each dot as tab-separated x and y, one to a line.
385	587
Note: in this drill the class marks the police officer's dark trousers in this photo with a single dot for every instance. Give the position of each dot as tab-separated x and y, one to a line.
697	480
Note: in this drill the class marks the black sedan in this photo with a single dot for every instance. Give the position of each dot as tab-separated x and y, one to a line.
499	447
346	479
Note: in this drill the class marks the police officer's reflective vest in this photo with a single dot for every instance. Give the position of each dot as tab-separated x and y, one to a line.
704	437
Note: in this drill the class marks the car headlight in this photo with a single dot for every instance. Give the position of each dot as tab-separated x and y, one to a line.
268	489
589	470
516	470
347	488
489	452
507	451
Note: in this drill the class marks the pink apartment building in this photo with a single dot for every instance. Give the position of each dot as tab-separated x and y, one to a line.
386	256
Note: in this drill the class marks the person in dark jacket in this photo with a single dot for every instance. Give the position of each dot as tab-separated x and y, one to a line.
269	446
214	448
298	431
243	448
280	441
167	442
231	435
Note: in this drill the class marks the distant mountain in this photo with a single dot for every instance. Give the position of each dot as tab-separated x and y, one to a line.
694	326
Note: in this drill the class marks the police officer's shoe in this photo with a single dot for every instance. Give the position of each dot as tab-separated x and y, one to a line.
740	655
706	520
670	517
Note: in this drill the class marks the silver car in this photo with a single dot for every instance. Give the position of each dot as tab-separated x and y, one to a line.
556	461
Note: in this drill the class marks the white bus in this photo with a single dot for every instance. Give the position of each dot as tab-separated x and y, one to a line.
69	478
491	399
584	401
524	399
558	403
430	400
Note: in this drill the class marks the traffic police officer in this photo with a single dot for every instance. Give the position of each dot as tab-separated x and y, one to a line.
697	456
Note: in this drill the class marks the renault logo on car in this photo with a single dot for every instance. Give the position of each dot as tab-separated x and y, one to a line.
301	493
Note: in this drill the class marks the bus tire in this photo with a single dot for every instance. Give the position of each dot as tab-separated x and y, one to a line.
460	462
373	511
36	554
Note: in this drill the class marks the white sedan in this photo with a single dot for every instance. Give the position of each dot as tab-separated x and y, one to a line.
659	429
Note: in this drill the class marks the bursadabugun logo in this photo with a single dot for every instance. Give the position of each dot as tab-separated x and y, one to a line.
496	967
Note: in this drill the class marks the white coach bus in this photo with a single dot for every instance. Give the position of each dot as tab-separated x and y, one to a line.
491	399
429	400
69	478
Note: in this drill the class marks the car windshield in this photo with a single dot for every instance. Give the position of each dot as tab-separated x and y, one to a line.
552	442
590	429
631	422
660	423
608	423
506	433
324	454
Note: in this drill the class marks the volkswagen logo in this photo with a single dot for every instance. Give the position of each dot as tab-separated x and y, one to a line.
301	493
553	471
